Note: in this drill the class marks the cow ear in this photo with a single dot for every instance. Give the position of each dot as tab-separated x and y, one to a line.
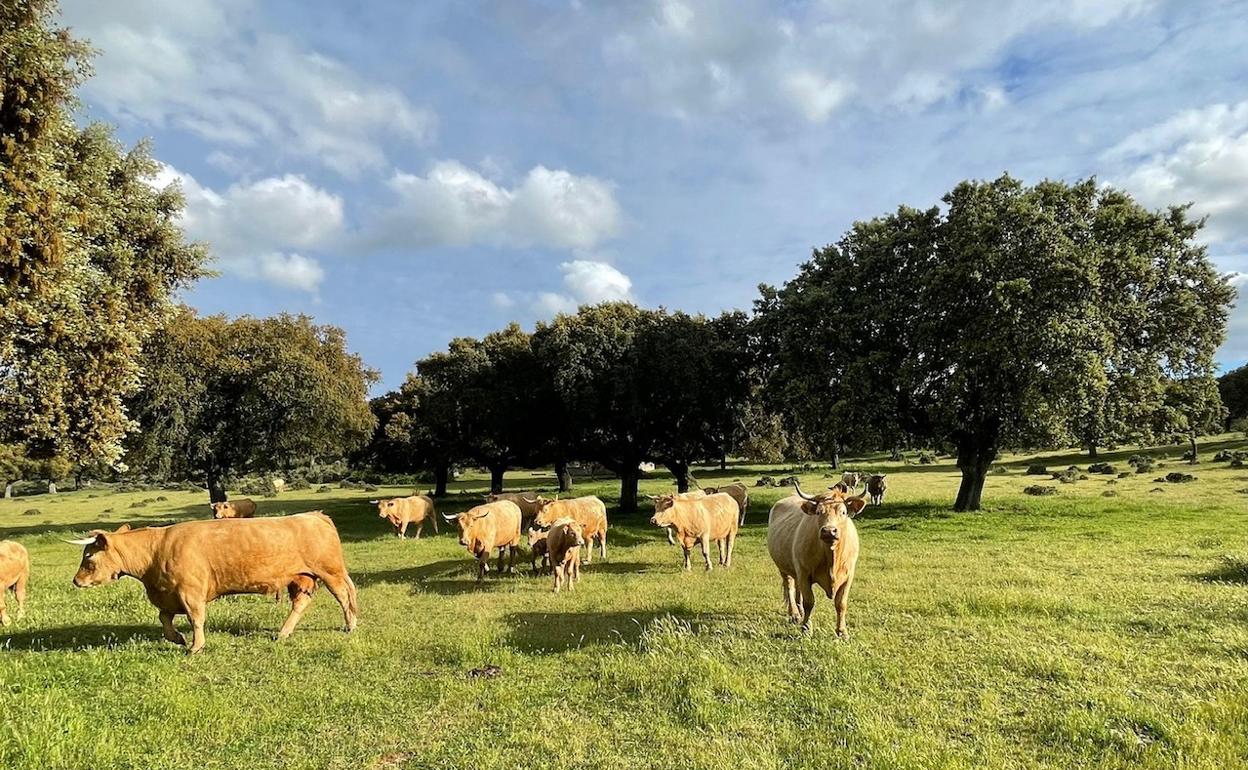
809	508
123	528
854	505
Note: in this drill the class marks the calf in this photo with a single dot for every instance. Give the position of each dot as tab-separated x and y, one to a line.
538	550
564	543
401	511
486	528
700	520
243	508
14	573
851	479
185	566
813	541
877	485
589	512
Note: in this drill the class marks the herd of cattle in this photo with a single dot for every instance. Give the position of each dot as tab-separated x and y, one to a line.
183	567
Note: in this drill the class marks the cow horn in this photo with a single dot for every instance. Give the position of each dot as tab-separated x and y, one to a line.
82	541
797	486
450	518
527	500
695	481
373	502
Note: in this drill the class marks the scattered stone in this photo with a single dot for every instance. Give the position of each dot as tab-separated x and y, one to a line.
1175	477
1104	468
138	504
1037	470
31	512
765	481
1156	489
787	481
324	488
1039	490
1068	476
1124	475
161	499
1237	463
1109	493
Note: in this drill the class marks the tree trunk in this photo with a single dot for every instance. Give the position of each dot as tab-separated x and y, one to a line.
216	486
681	472
628	489
723	461
441	472
496	478
836	460
8	490
895	455
1092	451
78	479
1192	438
51	487
974	462
564	475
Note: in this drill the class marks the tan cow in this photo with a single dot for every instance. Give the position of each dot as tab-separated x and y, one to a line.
877	485
692	494
528	503
737	491
243	508
813	542
589	512
851	479
488	527
401	511
14	572
185	566
564	543
700	520
538	550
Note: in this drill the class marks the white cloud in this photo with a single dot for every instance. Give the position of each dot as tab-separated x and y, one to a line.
209	67
1198	156
456	205
816	97
585	282
254	228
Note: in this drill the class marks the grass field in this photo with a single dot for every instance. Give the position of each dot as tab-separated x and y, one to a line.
1071	631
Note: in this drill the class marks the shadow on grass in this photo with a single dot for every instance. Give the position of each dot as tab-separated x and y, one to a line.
1231	569
96	636
544	633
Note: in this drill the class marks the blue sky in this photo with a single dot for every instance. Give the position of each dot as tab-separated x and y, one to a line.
414	172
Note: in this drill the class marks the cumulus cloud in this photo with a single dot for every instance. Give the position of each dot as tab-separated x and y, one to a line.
458	206
585	282
1198	156
210	68
255	228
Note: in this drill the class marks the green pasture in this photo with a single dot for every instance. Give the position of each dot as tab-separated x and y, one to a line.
1073	631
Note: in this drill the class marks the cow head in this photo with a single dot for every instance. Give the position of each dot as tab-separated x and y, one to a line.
537	536
387	509
545	515
834	510
878	481
471	525
101	562
577	531
663	509
224	511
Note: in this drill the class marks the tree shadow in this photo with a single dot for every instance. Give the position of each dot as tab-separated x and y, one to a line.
89	636
1231	569
547	633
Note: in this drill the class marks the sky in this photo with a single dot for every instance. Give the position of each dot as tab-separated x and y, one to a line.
415	172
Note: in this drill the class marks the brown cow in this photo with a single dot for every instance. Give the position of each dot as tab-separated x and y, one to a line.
185	566
14	572
528	503
401	511
813	541
692	494
737	491
488	527
538	550
589	512
564	542
243	508
700	520
877	485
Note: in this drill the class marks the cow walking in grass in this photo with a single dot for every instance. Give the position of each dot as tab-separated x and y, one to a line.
813	541
700	520
14	573
877	485
402	511
589	512
564	542
185	566
488	528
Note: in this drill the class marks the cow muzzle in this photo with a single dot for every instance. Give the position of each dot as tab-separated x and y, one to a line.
829	535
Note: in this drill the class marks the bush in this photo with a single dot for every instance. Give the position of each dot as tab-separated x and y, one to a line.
1175	477
1144	466
368	487
787	481
324	488
1104	468
298	483
162	499
348	484
927	457
1240	425
1223	457
138	504
31	512
262	486
1039	490
1237	463
1124	475
1037	470
765	481
1068	476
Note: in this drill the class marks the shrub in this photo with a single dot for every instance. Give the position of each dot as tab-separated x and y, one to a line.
297	483
1124	475
31	512
1104	468
161	499
927	457
787	481
1237	463
348	484
1175	477
1000	470
1223	457
368	487
765	481
1037	470
1144	466
1068	476
1039	490
1134	460
138	504
324	488
261	485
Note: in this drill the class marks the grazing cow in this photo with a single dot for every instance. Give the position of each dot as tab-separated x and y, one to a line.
737	491
528	504
401	511
539	550
14	572
185	566
488	527
589	512
564	542
851	479
813	541
692	494
700	520
243	508
877	485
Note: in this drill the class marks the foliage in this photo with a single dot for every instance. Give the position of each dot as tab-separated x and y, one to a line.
1233	390
90	251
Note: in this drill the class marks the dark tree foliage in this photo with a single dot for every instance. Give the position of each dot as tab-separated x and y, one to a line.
1233	389
1002	321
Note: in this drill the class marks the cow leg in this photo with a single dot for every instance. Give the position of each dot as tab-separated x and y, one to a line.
19	593
197	611
842	609
298	603
420	527
576	574
435	523
671	536
558	570
731	540
171	633
511	559
588	556
403	530
602	544
686	548
807	592
706	551
4	612
788	592
343	589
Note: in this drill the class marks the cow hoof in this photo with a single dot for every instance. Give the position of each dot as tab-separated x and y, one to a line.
842	633
4	620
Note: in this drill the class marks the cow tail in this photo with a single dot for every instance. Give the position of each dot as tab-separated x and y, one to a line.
352	600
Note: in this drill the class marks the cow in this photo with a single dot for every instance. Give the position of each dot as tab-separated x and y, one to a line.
538	550
185	566
692	494
564	542
877	485
813	541
14	573
401	511
737	491
488	527
700	520
851	479
589	512
243	508
528	504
